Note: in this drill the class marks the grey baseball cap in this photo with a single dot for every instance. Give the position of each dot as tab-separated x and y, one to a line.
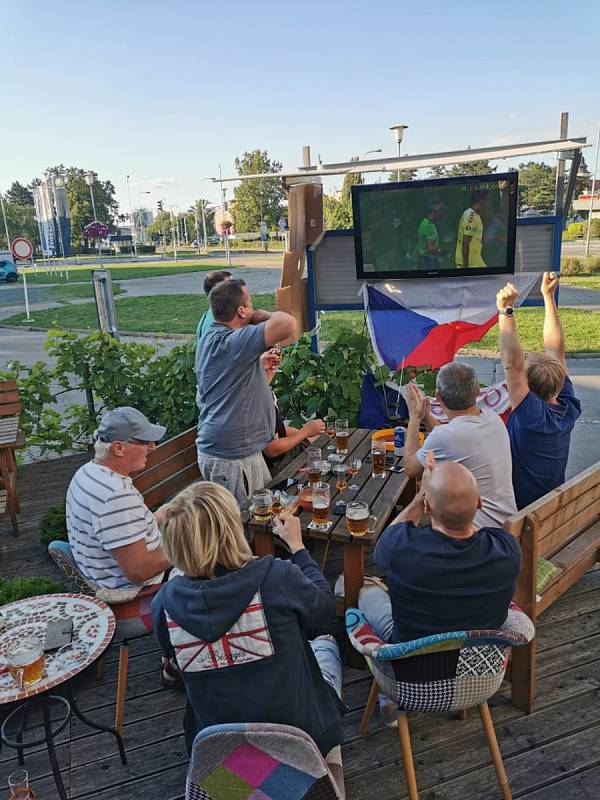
125	423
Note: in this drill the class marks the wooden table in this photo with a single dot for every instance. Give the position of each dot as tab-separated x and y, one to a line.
382	495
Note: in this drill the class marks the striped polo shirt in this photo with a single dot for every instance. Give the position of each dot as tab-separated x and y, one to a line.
106	511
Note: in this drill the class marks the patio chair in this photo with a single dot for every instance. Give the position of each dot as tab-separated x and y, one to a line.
439	673
133	618
11	439
251	760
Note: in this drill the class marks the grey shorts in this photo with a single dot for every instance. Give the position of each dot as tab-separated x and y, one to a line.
241	476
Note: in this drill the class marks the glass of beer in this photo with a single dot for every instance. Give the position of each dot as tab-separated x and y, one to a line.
261	505
313	461
341	436
358	520
276	503
321	498
378	458
341	470
25	659
18	783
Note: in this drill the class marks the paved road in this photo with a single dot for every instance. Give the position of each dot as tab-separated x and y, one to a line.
578	248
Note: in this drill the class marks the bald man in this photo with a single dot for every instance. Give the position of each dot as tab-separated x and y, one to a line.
448	575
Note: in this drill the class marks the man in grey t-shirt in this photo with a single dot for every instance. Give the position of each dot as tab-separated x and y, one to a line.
237	414
478	439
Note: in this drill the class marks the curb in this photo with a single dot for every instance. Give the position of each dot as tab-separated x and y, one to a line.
495	355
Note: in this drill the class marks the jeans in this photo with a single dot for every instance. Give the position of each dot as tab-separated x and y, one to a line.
374	602
329	660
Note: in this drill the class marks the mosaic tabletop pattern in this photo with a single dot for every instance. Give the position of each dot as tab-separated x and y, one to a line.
93	629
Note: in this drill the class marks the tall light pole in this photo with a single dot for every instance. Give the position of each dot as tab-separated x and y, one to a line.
379	150
142	236
204	216
173	232
398	136
5	222
133	228
589	226
89	179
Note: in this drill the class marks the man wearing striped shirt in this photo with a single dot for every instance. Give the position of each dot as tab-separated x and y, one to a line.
113	535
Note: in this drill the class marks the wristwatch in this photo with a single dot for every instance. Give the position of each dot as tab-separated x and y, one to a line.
508	311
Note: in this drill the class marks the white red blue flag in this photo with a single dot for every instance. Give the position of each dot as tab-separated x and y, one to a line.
422	322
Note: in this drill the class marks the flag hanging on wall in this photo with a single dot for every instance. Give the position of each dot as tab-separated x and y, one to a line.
425	322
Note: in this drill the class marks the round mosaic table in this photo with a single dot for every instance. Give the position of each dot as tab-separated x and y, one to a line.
93	630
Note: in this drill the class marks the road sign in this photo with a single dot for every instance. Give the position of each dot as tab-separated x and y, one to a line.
22	248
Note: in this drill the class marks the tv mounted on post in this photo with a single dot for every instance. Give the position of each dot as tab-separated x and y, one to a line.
436	228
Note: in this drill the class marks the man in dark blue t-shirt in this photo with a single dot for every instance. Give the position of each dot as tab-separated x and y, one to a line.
544	406
445	576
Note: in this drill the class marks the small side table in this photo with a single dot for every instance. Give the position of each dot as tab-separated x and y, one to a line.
93	630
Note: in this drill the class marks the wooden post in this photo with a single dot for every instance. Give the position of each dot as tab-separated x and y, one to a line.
354	572
121	685
522	671
369	708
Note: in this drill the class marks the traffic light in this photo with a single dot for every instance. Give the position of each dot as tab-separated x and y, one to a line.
160	205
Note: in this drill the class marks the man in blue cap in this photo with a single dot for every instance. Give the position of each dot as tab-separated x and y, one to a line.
113	535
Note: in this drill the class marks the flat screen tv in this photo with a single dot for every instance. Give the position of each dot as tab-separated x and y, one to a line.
436	228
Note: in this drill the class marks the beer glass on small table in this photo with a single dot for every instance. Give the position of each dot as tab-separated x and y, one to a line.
25	659
321	498
354	469
341	436
358	520
378	458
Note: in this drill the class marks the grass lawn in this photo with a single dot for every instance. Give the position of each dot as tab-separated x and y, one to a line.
179	313
583	282
119	273
70	290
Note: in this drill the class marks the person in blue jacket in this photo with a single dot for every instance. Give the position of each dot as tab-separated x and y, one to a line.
238	625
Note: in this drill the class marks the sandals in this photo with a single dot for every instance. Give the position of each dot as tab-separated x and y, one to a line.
170	675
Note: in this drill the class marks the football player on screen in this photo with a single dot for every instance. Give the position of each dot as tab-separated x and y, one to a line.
470	232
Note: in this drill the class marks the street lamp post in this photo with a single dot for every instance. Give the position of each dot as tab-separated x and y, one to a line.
89	179
590	215
142	235
204	216
133	228
173	233
398	136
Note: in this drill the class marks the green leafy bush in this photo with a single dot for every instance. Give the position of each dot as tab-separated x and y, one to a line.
53	525
575	229
571	266
592	263
146	248
20	588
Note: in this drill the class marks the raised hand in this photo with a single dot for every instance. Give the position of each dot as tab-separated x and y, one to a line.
414	401
549	284
507	297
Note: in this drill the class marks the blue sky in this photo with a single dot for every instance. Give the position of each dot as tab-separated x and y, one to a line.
167	91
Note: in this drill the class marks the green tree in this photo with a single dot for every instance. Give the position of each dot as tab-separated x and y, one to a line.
19	195
537	185
257	199
209	215
337	208
80	202
471	168
21	221
403	175
161	224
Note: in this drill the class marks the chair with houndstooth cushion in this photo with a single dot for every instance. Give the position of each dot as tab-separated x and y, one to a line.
252	760
444	672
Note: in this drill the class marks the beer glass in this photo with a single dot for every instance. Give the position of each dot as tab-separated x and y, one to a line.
25	659
276	504
321	497
313	461
341	436
354	469
18	783
358	520
378	458
261	505
330	430
341	470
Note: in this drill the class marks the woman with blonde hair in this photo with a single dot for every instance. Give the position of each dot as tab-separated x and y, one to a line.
237	625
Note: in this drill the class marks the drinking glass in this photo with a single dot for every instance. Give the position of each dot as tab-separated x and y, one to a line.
276	503
25	659
378	457
354	469
18	783
341	470
358	520
313	459
261	505
341	436
330	430
321	498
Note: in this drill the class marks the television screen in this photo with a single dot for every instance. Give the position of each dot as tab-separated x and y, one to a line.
436	228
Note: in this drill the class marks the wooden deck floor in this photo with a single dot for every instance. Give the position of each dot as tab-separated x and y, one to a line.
552	754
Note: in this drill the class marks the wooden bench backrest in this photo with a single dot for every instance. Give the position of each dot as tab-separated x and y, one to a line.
10	405
562	514
169	468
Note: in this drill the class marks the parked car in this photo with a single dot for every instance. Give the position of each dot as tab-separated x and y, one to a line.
8	271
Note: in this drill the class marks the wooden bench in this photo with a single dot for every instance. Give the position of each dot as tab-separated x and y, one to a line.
562	527
169	468
11	439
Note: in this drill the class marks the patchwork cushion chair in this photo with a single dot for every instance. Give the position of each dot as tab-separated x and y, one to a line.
439	673
133	617
258	761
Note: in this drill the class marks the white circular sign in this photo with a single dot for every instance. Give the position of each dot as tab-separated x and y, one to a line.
22	248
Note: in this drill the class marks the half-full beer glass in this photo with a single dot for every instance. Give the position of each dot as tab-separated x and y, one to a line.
378	458
321	498
313	462
358	520
261	505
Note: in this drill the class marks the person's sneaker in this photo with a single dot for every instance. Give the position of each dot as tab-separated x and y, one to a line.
370	580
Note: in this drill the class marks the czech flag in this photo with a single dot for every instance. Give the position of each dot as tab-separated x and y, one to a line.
425	322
